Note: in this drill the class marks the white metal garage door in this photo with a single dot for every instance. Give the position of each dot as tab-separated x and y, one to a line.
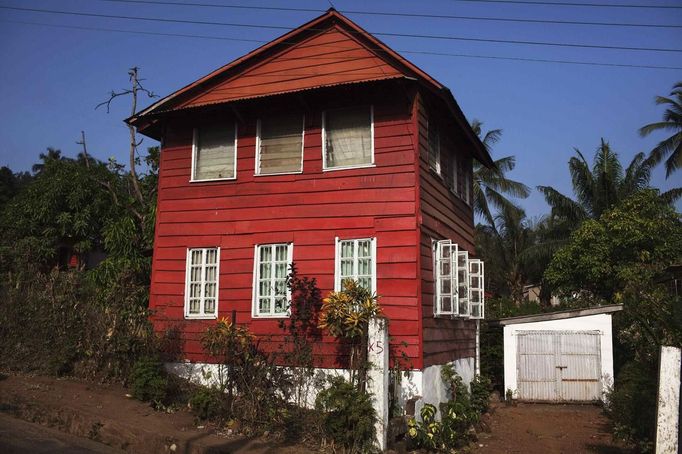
559	365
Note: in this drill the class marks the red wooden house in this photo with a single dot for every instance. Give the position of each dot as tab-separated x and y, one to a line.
326	148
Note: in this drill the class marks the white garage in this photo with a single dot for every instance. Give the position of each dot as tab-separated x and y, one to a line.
559	356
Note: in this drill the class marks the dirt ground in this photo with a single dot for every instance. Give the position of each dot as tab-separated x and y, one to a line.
104	414
544	428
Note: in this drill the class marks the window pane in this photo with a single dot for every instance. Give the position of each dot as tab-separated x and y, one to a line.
446	304
265	270
365	282
195	274
264	288
475	282
280	287
445	268
281	144
280	305
195	290
281	253
209	306
214	152
434	148
445	286
265	253
196	257
346	268
346	249
264	305
364	248
281	270
348	137
210	273
193	306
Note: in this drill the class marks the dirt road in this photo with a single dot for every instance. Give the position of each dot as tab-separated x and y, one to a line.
545	429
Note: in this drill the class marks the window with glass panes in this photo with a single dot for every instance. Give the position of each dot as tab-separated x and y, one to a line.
445	252
214	152
355	259
476	286
434	147
463	283
271	298
201	287
347	137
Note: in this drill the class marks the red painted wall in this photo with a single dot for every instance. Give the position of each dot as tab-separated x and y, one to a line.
308	209
443	215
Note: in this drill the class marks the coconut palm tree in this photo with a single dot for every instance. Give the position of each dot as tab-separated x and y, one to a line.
52	155
672	121
599	188
491	186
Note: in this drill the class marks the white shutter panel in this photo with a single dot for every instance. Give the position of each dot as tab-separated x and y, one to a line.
446	275
476	285
463	309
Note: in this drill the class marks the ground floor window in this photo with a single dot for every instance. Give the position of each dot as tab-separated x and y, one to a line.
201	283
356	259
270	293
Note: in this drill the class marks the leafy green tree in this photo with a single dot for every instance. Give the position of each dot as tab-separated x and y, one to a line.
620	252
671	147
11	184
599	188
491	187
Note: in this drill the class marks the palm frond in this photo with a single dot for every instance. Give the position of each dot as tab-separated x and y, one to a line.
562	206
658	126
671	196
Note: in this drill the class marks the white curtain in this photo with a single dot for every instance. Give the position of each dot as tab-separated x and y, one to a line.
348	137
281	144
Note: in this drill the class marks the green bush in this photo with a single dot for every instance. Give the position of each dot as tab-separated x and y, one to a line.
349	416
149	381
458	415
208	403
631	404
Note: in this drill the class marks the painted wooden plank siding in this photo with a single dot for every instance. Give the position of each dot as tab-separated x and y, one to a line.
330	57
443	216
309	209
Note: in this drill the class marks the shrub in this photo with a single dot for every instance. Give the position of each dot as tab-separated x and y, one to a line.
207	403
149	382
631	404
349	416
458	415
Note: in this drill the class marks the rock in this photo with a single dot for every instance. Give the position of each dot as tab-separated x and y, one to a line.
173	447
200	427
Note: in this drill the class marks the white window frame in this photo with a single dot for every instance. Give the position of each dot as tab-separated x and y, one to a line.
480	288
337	261
324	141
438	166
438	276
467	281
455	174
202	315
468	173
258	141
192	179
255	307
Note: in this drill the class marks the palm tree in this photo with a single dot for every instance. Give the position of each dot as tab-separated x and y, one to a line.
672	121
599	188
490	185
52	155
503	246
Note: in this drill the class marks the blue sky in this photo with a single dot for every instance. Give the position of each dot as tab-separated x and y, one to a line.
52	77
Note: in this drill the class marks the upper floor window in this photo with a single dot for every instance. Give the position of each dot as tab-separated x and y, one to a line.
348	137
201	283
434	147
214	153
270	292
279	144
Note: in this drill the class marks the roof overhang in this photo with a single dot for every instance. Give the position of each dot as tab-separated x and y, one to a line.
558	315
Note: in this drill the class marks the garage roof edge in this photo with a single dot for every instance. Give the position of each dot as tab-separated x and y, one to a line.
558	315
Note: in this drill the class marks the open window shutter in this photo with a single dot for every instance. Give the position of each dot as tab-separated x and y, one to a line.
476	288
446	274
463	284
